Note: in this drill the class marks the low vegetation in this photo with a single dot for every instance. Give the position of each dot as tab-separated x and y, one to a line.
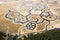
48	35
2	35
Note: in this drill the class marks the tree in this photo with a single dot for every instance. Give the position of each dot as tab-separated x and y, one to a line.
47	35
2	35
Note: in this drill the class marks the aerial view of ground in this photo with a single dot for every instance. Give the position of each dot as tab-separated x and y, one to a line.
29	16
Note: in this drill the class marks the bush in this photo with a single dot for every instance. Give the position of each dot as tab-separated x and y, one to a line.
48	35
2	35
20	38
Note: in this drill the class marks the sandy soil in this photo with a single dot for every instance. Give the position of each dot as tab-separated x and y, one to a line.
13	28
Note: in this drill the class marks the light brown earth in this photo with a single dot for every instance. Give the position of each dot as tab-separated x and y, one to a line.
13	28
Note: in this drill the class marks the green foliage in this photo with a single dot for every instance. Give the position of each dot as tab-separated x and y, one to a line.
20	39
2	35
10	37
48	35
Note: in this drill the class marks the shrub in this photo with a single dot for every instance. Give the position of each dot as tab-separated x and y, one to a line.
48	35
2	35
